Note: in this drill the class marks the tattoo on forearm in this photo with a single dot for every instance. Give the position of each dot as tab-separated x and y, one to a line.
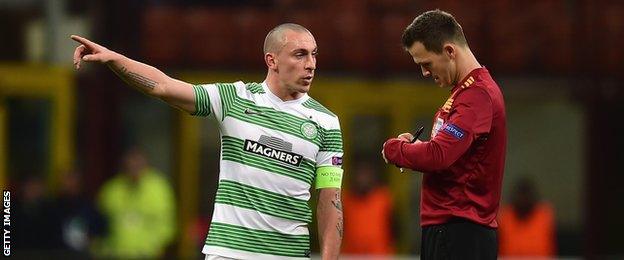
340	227
337	201
136	79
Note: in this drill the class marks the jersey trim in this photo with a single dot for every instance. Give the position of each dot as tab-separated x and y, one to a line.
202	101
313	104
255	88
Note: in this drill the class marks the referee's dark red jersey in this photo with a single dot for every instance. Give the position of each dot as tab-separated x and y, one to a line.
463	162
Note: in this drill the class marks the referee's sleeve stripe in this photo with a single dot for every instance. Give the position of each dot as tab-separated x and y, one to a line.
202	101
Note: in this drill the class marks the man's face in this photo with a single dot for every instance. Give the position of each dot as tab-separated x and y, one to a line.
296	61
438	66
134	162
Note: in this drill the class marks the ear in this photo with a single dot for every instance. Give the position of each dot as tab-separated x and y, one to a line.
450	50
270	60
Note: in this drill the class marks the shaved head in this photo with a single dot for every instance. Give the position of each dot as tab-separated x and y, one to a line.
290	55
275	39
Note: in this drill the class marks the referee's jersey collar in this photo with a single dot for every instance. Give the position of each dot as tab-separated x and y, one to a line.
469	79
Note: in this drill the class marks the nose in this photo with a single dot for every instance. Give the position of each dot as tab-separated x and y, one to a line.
425	72
310	63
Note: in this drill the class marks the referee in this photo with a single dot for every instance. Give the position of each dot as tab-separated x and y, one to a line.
463	162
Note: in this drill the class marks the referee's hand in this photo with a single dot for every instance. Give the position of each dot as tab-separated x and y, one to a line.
407	137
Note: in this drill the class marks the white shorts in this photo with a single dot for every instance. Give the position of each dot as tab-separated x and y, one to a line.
217	257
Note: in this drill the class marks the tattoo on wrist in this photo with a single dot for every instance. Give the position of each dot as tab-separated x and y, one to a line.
339	227
136	79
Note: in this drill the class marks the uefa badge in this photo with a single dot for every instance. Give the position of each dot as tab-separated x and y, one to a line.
309	130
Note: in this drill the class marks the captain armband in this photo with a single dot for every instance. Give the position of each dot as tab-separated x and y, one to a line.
328	177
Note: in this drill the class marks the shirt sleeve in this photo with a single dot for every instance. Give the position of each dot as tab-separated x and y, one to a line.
208	101
470	117
216	99
329	158
331	151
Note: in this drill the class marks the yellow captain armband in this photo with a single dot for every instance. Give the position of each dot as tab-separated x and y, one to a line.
328	177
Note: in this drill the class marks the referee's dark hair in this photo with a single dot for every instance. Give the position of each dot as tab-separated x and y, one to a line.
433	29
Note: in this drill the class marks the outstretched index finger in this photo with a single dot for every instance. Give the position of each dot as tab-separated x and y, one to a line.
84	41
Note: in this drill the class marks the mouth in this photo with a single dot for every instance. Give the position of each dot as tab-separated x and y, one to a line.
307	79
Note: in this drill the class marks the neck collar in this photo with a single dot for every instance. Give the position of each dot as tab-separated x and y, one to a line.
277	100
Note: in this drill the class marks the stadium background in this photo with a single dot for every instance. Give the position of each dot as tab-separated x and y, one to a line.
558	62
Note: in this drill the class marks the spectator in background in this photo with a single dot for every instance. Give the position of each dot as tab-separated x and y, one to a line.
36	222
368	213
139	205
80	220
527	226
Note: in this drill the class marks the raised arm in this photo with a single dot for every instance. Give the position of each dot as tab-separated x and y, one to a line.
143	77
330	222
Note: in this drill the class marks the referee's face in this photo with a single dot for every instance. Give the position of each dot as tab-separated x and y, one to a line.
437	66
296	61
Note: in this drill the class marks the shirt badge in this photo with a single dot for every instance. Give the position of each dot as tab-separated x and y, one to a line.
436	127
337	160
454	131
309	130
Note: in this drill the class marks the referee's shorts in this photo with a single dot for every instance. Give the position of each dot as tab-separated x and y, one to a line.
458	239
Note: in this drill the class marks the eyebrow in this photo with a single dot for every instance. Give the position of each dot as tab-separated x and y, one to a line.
423	63
304	50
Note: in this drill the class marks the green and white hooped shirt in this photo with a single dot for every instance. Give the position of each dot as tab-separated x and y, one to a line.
271	153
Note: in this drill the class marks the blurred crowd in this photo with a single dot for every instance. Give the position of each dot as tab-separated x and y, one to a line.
132	216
